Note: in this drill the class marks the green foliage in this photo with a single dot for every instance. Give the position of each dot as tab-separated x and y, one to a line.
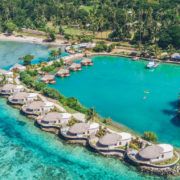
27	59
100	47
150	136
107	121
72	122
10	26
135	144
32	72
39	86
48	68
136	20
170	36
52	93
101	132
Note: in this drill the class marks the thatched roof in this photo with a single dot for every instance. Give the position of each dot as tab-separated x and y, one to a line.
20	95
78	128
151	152
55	116
110	139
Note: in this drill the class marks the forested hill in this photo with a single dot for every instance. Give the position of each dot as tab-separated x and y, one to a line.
151	21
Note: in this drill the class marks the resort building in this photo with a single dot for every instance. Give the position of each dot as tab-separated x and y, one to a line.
7	74
87	62
38	108
63	72
18	67
48	79
80	131
112	140
22	98
75	67
80	117
9	89
175	57
54	119
156	153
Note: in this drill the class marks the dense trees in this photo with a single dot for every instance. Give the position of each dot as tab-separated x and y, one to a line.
137	21
27	59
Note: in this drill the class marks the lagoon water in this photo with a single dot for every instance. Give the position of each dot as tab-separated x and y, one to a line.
10	52
29	153
141	99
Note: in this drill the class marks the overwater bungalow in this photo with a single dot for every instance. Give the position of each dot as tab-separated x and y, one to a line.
156	153
9	89
38	108
111	143
63	72
75	67
153	155
18	67
48	79
22	98
80	131
112	140
87	62
54	120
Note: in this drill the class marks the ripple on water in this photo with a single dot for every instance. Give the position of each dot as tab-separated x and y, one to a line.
28	153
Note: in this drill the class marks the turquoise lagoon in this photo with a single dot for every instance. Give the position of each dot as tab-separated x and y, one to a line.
26	152
29	153
139	98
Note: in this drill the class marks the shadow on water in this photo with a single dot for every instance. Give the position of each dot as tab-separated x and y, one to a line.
173	112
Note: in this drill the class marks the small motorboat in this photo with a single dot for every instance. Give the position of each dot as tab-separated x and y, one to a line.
152	64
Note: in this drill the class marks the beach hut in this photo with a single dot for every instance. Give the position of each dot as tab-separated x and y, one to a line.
54	119
75	67
87	62
63	72
111	140
9	89
48	79
156	153
22	98
18	67
38	108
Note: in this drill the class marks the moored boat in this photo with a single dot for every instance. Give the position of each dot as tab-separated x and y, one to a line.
152	64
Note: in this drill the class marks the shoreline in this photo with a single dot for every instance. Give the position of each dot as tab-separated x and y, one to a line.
30	39
121	55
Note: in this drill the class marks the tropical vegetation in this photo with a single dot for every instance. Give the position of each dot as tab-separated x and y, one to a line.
136	21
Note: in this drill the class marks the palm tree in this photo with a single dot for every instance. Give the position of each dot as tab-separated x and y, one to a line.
91	114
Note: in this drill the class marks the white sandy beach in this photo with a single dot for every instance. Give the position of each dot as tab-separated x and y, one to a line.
30	39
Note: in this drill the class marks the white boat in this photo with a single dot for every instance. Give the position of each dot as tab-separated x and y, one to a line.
136	58
152	64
